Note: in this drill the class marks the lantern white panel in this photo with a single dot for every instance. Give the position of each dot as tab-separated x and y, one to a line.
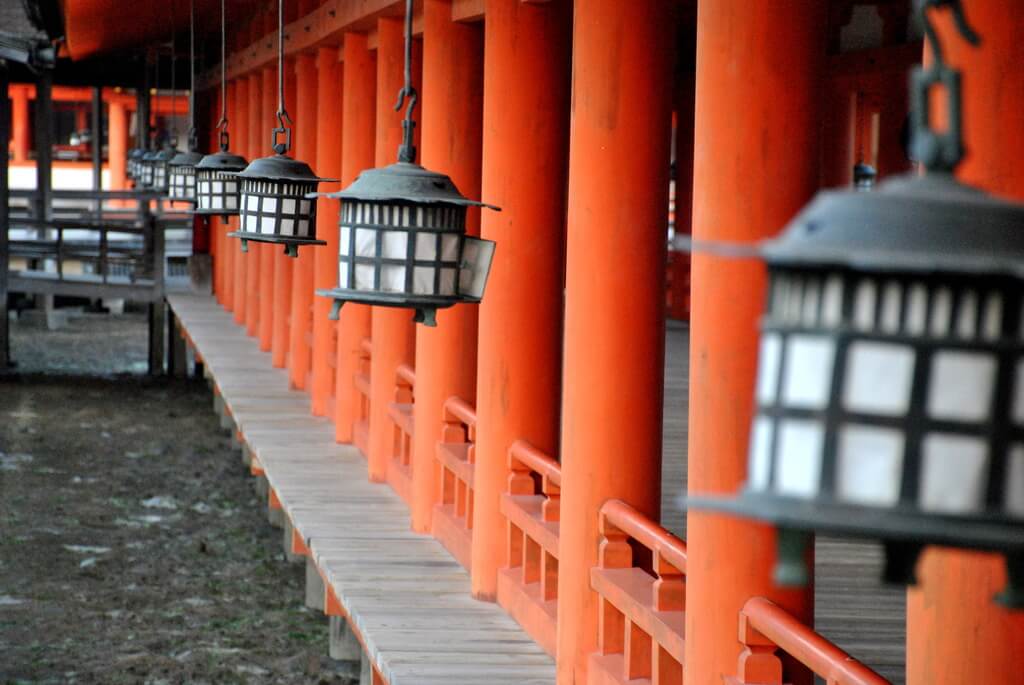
864	304
269	205
992	319
953	473
967	317
366	242
426	247
870	465
423	280
204	187
252	223
305	228
392	278
878	378
1018	393
477	256
942	312
288	205
917	309
216	202
344	240
218	186
251	202
960	387
832	301
798	458
1014	495
808	372
447	281
449	248
342	274
892	295
396	245
365	275
268	225
759	460
287	227
231	201
768	361
794	300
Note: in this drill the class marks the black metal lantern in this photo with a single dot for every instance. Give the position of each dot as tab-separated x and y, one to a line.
157	169
402	232
890	387
216	175
181	169
147	167
864	176
134	160
278	201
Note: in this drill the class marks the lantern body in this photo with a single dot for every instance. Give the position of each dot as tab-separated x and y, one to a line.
147	169
181	179
134	160
160	170
277	208
217	183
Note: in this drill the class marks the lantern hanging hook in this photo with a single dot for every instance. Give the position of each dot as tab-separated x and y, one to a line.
407	150
284	121
222	124
939	151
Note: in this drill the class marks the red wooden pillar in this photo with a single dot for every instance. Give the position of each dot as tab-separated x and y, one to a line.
392	330
19	124
756	163
359	102
259	130
329	127
228	246
452	136
613	380
117	137
242	259
302	268
282	263
266	252
955	632
526	98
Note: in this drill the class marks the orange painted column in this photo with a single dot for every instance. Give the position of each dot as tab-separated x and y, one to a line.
117	141
756	163
302	267
242	259
613	381
258	146
19	124
526	98
229	246
266	251
392	330
358	141
283	264
452	137
955	632
329	133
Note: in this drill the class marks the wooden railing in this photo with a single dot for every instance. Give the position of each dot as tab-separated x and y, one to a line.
642	600
361	427
452	522
401	414
766	628
528	585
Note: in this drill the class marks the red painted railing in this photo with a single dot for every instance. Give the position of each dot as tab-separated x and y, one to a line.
528	585
642	599
452	521
401	414
765	628
361	427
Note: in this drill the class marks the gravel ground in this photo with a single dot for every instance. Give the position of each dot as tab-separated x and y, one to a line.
133	548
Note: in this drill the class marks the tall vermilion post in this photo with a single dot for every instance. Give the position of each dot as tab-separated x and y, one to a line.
268	110
329	127
258	147
452	136
282	263
392	330
19	124
117	138
301	325
359	102
526	98
955	632
613	381
242	259
228	246
759	99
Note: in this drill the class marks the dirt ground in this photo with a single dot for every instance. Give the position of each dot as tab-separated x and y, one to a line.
133	547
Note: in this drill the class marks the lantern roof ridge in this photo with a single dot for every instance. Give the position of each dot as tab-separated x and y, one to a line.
222	160
916	224
406	181
282	168
186	158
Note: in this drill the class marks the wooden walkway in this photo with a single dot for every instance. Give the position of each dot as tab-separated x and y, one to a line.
406	599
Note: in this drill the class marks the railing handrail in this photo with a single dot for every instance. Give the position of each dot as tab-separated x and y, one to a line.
806	646
645	531
536	460
406	373
461	410
83	194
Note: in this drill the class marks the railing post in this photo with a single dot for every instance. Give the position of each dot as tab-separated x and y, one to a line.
614	552
758	664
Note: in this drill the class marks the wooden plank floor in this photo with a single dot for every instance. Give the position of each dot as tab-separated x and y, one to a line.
852	608
405	596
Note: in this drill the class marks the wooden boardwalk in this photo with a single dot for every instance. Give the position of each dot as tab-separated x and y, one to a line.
852	608
405	597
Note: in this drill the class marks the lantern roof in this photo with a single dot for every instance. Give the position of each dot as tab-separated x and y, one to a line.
165	155
222	161
137	153
408	182
281	168
186	159
915	224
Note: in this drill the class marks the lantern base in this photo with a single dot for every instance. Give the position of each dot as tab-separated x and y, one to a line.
215	212
426	306
291	245
170	198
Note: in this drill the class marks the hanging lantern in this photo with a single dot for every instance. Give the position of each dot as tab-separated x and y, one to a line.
402	232
158	167
147	168
890	386
181	170
216	175
134	159
278	201
864	176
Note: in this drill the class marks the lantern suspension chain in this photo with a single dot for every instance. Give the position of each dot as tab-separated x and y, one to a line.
938	151
193	142
173	139
223	123
282	113
407	151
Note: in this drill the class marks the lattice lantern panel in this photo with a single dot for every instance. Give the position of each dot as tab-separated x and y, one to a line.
182	183
278	208
216	192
